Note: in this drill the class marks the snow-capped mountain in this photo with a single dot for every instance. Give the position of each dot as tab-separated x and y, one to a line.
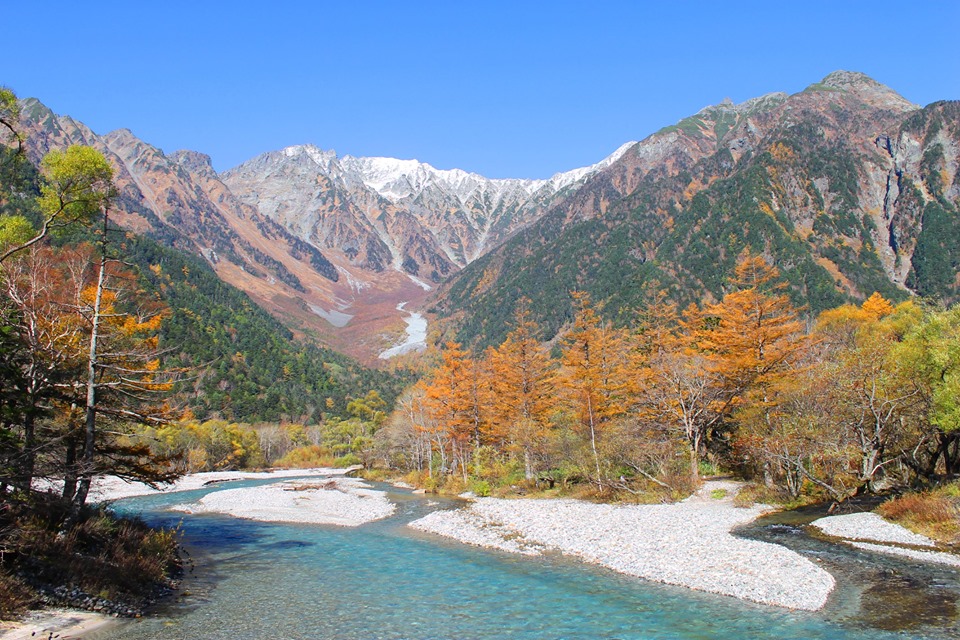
402	214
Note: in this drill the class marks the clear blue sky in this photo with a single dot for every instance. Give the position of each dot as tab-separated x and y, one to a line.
505	89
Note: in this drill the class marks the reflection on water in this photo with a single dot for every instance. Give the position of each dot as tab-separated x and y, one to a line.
383	580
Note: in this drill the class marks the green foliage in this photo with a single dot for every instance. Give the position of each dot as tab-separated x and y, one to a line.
14	230
249	367
207	446
308	457
936	259
480	488
77	182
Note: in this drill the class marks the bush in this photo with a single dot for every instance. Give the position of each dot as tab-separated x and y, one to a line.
307	458
347	460
935	514
480	488
101	554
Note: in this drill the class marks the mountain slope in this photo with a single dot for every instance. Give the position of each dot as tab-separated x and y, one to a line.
383	213
836	184
328	245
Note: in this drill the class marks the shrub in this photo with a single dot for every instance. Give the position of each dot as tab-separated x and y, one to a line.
935	514
480	488
101	554
307	458
347	460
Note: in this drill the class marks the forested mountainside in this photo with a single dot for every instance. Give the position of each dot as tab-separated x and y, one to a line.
237	361
327	245
846	186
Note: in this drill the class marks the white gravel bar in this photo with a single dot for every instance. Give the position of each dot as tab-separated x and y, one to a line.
871	527
346	502
687	544
870	532
107	488
937	557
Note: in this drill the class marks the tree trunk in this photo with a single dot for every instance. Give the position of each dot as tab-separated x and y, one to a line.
70	470
29	451
90	423
593	442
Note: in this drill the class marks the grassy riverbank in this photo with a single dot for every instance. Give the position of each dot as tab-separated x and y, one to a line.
98	562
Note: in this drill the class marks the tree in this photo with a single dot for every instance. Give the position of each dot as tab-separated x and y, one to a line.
77	185
522	384
41	290
930	351
594	376
756	337
876	401
679	388
10	117
457	399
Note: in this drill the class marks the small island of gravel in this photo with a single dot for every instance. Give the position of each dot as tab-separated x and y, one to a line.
687	544
871	532
346	502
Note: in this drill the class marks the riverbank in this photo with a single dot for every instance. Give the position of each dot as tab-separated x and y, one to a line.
870	532
62	624
687	544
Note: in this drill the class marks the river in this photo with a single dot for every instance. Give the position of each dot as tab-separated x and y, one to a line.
415	338
384	580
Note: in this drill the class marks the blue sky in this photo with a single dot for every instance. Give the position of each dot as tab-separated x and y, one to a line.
505	89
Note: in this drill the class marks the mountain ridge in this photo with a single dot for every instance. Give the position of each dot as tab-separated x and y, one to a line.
828	183
331	245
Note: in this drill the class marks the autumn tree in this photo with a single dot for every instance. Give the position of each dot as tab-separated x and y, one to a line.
41	290
753	341
876	401
594	377
523	390
680	389
930	354
457	398
408	436
756	336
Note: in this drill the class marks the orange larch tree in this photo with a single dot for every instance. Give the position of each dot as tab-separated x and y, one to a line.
595	375
523	391
457	398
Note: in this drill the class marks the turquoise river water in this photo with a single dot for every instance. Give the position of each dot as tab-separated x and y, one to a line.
384	580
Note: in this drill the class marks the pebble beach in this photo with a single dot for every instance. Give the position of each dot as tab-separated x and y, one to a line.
687	544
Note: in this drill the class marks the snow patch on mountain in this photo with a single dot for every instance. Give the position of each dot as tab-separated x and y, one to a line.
566	178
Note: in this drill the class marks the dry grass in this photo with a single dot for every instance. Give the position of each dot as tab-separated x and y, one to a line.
110	557
15	596
757	493
935	514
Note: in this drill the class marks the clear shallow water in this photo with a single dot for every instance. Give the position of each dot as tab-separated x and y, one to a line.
383	580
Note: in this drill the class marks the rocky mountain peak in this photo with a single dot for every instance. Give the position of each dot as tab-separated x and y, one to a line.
194	162
867	89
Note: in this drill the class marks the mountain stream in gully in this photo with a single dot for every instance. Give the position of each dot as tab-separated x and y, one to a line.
257	580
